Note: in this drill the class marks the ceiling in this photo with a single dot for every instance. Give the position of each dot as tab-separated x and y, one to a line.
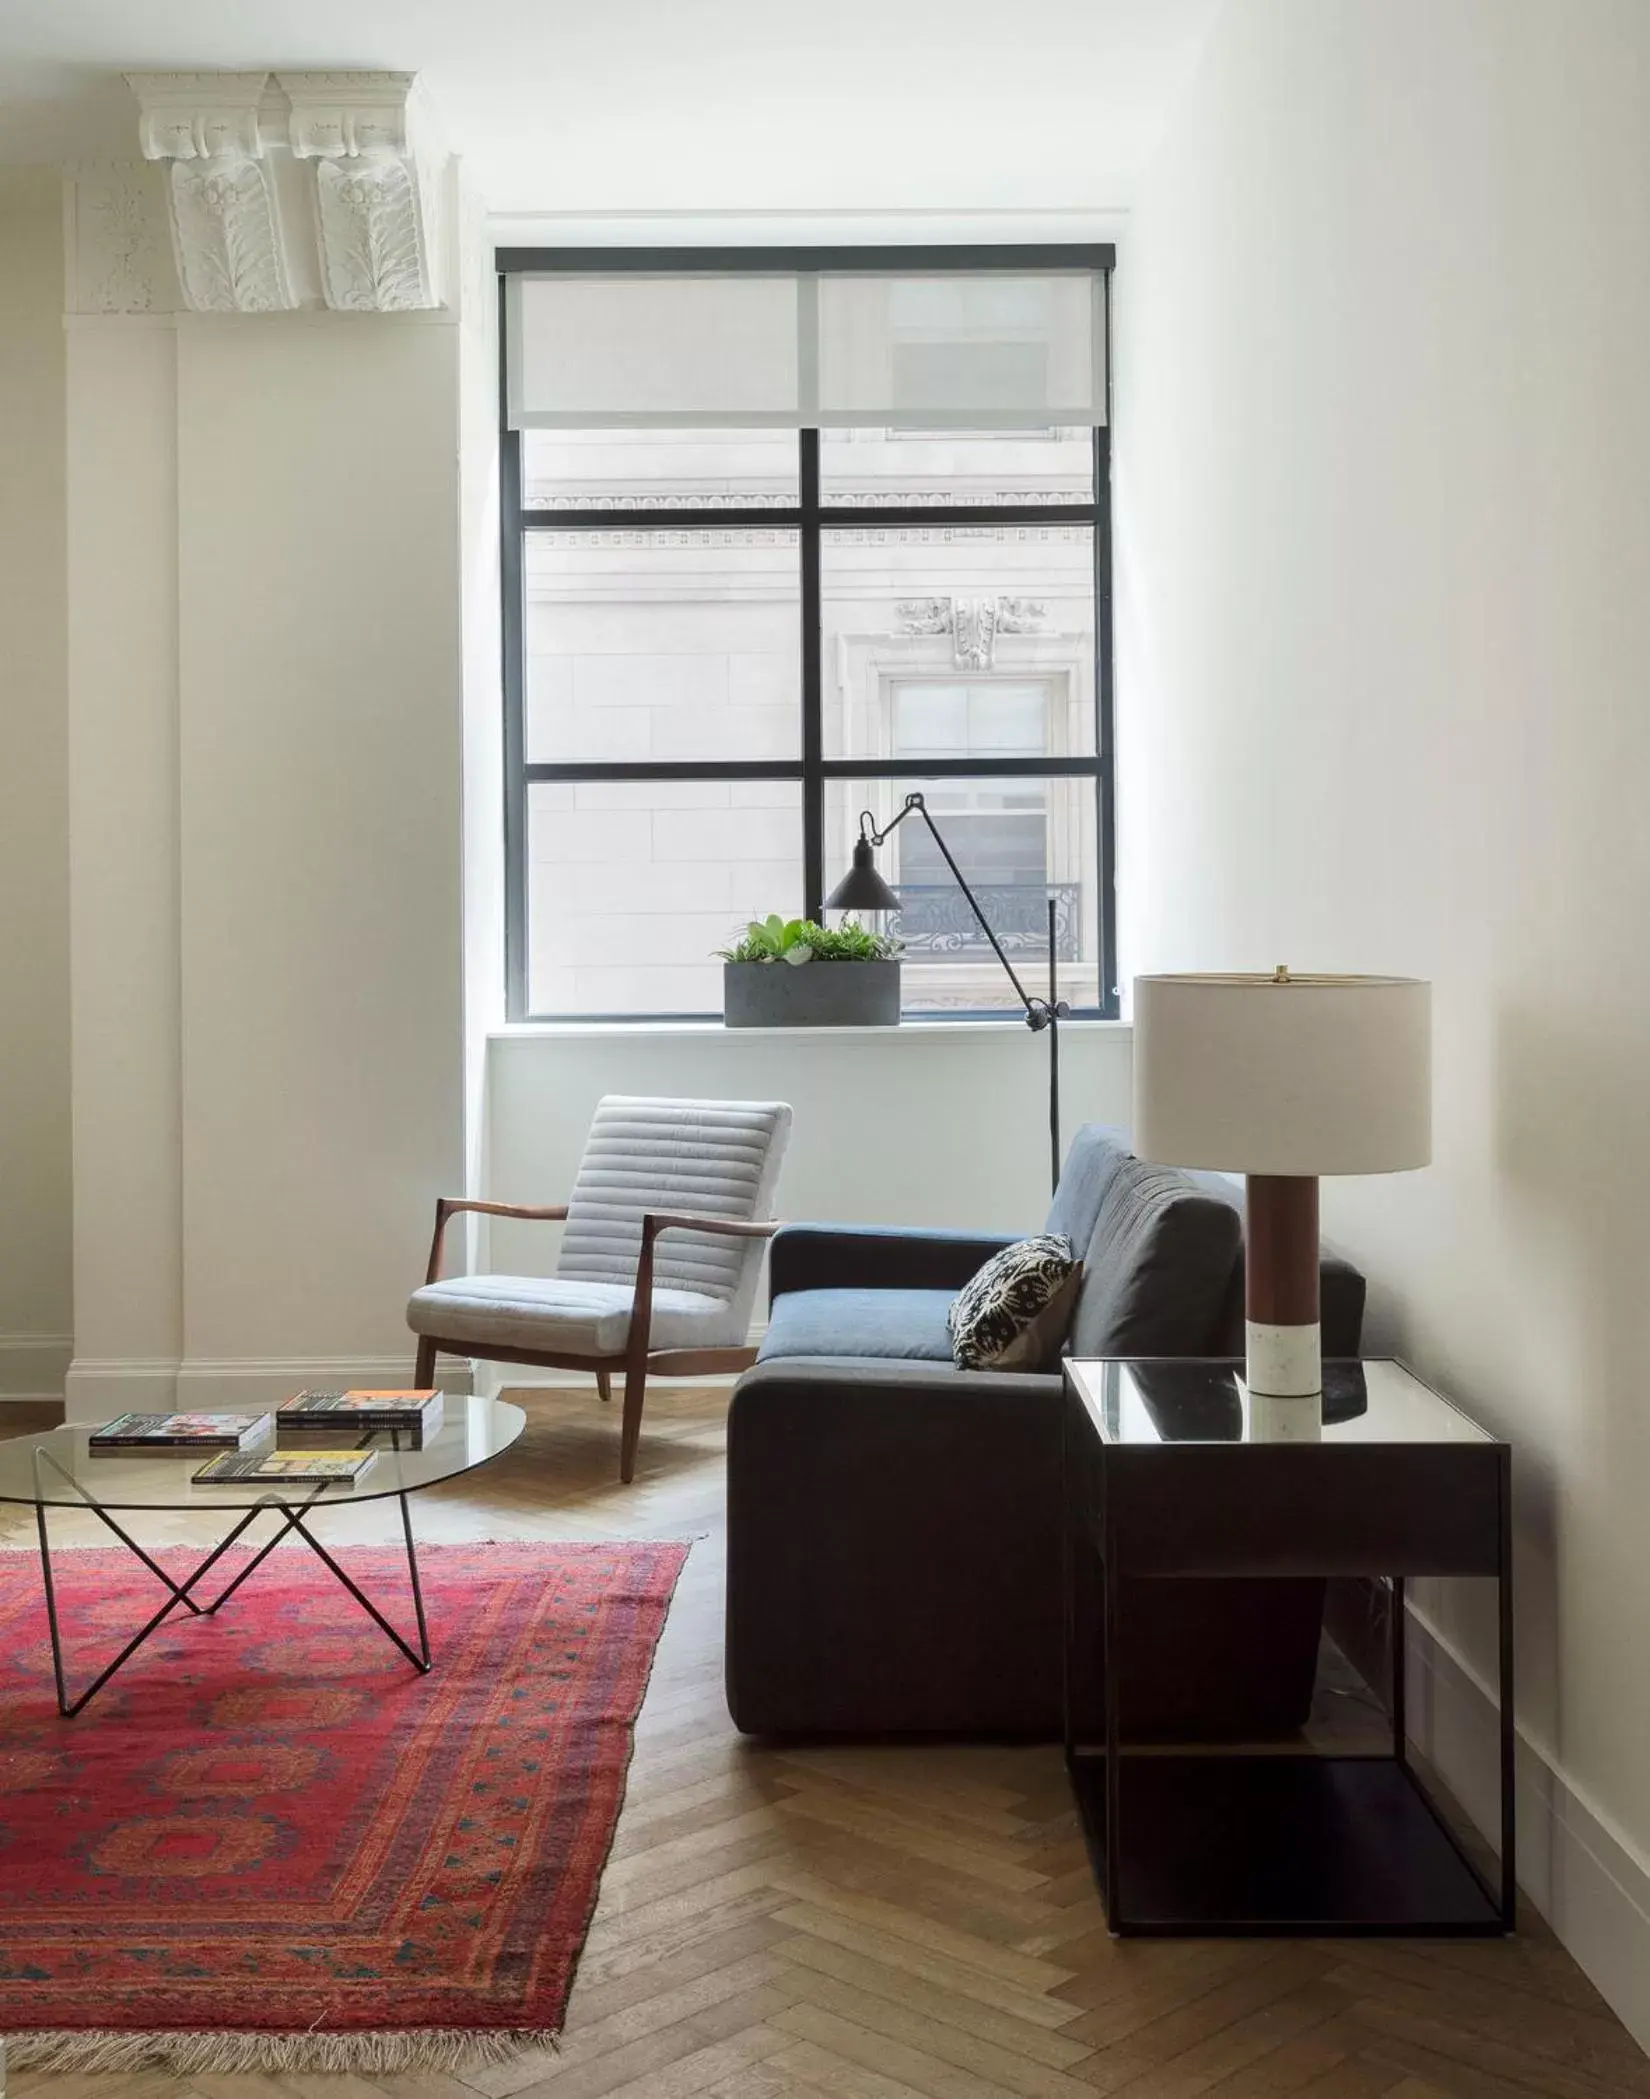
659	107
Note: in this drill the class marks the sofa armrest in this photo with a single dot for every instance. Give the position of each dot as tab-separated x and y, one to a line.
876	1257
894	1548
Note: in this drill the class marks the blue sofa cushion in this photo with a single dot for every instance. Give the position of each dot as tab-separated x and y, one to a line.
909	1323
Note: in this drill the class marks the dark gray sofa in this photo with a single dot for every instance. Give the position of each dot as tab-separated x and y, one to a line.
894	1524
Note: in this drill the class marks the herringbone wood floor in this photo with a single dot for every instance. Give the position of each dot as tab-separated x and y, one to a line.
912	1922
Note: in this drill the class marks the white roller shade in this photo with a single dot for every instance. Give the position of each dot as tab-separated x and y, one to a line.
988	350
1000	352
673	351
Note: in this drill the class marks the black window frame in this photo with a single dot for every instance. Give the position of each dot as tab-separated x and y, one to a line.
810	519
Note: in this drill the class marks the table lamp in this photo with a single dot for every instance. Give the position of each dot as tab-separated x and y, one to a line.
1283	1078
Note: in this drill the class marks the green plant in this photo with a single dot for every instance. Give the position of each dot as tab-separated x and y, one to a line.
798	940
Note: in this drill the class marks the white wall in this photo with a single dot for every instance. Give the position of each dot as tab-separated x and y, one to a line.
1384	545
940	1124
320	744
125	1067
35	1242
264	612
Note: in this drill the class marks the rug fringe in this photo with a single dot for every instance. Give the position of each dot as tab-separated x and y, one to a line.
230	2054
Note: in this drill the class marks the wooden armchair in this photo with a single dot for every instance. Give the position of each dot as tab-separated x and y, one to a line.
623	1297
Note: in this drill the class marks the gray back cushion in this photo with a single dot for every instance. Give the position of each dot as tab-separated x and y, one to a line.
1158	1267
1095	1155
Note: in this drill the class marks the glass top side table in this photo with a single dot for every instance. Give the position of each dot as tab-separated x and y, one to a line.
1175	1471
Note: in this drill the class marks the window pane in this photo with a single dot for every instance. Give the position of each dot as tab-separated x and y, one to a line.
662	646
661	469
1000	719
633	886
1018	842
894	468
996	622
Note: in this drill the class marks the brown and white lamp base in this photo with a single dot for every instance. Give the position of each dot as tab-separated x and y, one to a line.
1284	1357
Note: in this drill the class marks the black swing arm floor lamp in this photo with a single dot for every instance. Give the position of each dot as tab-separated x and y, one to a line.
863	889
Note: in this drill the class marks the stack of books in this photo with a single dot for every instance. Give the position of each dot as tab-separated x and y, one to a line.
286	1468
131	1434
351	1419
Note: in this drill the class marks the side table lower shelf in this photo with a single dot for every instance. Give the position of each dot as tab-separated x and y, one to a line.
1269	1845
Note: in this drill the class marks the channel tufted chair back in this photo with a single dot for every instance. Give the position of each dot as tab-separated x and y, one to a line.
715	1159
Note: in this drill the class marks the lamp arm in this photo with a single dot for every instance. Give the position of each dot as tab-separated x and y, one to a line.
1041	1013
1038	1011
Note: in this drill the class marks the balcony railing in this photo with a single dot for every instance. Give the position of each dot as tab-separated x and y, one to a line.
935	923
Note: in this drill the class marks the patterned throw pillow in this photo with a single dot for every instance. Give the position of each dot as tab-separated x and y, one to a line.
1013	1314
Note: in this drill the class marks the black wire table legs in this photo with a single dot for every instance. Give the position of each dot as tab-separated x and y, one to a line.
181	1595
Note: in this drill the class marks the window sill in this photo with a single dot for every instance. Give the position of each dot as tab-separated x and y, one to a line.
908	1030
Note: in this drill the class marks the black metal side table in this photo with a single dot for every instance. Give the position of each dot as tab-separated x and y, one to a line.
1174	1471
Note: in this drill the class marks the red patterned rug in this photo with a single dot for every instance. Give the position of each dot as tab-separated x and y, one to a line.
269	1843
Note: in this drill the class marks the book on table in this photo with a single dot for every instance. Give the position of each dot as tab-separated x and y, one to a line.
286	1468
129	1433
358	1414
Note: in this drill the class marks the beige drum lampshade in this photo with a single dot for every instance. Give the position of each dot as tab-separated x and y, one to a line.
1283	1074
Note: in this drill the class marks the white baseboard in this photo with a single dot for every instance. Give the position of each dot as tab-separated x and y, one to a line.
1587	1877
98	1388
33	1367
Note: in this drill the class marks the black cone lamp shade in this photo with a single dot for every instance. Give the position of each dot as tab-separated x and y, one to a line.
862	888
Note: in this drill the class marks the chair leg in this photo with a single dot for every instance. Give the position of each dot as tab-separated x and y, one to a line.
424	1374
604	1385
635	1386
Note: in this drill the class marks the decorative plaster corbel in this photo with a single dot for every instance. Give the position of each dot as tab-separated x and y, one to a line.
226	231
372	215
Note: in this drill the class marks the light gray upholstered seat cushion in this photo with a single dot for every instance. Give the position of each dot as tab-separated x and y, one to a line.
550	1315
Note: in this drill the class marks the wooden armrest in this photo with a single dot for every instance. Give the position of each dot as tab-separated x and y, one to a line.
653	1223
656	1221
449	1205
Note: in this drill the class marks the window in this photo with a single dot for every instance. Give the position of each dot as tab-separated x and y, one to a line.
787	537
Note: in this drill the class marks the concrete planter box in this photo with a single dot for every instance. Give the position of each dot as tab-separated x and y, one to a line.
816	995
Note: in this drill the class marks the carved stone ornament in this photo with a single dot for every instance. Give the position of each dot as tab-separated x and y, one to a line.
226	231
972	623
371	215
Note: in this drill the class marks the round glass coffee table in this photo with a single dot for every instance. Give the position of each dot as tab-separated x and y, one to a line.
54	1469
